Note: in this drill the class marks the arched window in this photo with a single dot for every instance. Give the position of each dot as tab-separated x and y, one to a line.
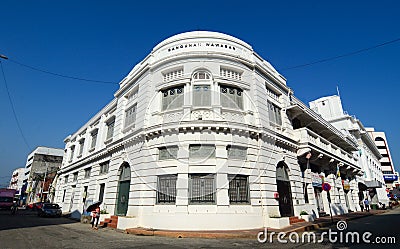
201	75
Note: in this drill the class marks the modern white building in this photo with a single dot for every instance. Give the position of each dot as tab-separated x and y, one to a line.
204	134
371	184
40	170
17	180
389	173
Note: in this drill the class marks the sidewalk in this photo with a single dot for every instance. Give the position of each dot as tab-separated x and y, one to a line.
252	233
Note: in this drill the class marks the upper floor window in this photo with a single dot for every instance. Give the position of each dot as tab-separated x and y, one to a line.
201	151
94	138
110	129
104	167
201	75
173	74
66	179
75	177
130	116
87	172
274	114
170	152
72	153
81	144
229	73
172	98
231	97
201	95
236	152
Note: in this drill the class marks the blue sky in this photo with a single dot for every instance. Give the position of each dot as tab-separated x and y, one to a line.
103	40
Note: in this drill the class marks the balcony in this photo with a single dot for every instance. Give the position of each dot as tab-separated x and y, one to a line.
311	140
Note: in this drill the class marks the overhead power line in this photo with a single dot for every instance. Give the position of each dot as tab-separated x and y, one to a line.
342	55
61	75
12	105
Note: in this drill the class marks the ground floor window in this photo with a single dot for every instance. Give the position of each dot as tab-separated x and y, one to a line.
202	188
166	189
238	189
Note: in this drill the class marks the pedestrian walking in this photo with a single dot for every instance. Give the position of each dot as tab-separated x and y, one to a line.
366	203
95	217
362	206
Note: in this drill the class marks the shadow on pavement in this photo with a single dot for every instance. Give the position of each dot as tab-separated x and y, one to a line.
28	218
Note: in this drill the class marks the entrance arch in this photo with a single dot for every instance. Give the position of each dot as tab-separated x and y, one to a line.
284	190
124	183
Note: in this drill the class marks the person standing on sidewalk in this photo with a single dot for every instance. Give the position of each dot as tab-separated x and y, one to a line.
366	203
362	205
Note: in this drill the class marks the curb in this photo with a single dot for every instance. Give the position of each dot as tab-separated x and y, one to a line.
244	234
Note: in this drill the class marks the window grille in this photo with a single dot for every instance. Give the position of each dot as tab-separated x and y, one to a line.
130	116
166	189
168	152
201	151
202	188
238	189
229	73
237	152
173	74
172	98
231	97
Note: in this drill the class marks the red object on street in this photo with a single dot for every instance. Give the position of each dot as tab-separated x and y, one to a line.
326	186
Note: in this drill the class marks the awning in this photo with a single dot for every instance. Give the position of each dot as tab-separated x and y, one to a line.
373	184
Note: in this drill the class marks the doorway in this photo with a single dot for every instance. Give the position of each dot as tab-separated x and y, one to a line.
284	190
124	184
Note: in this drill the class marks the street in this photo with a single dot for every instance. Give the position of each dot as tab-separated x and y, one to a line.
27	230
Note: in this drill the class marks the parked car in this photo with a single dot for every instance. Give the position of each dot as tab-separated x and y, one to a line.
35	206
50	209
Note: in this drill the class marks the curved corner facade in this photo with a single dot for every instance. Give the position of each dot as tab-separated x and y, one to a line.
204	134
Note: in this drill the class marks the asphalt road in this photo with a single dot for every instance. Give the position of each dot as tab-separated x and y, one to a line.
26	230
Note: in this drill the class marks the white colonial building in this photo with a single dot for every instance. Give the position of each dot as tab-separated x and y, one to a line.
371	184
205	134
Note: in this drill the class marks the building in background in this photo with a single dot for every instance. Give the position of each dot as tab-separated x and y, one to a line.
17	181
205	134
371	184
40	170
389	173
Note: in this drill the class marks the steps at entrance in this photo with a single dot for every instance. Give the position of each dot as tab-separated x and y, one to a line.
295	219
111	222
